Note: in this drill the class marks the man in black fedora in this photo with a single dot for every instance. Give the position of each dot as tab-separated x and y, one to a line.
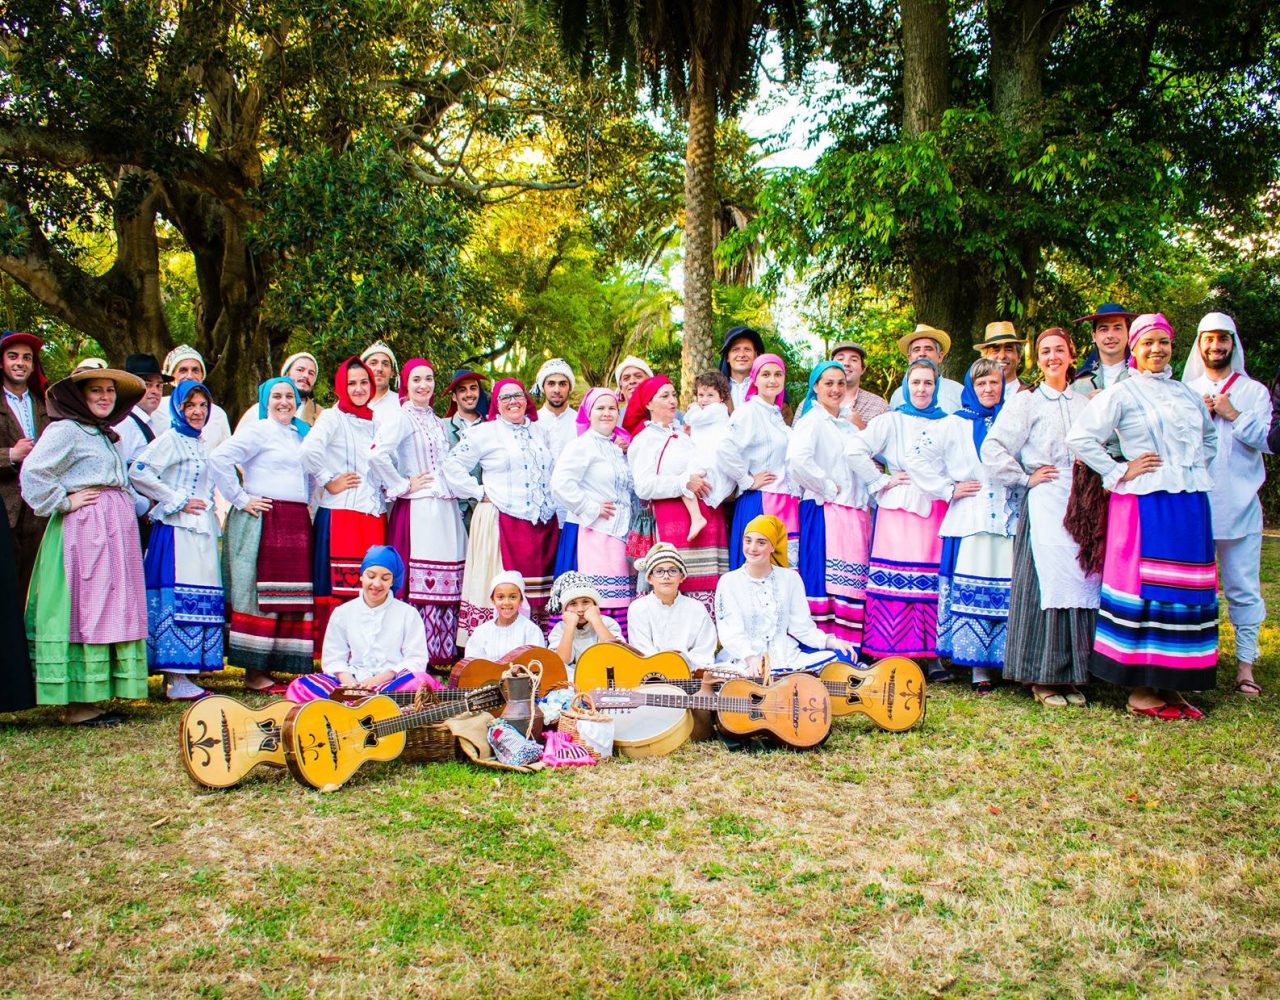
135	430
1106	363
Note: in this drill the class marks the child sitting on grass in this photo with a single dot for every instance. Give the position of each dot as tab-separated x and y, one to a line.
510	629
374	641
582	624
707	422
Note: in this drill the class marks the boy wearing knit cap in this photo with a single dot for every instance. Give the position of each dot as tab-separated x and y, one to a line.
665	619
581	625
374	641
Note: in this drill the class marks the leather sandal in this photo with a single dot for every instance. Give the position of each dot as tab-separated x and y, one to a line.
1165	713
1049	698
1248	689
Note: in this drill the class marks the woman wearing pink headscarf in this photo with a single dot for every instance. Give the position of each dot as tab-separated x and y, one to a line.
592	483
754	455
514	526
425	525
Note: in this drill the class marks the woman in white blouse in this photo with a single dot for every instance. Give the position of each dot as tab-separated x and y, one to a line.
425	524
753	454
1157	631
761	614
185	603
906	550
977	533
835	525
514	526
592	483
665	468
338	452
267	547
1052	600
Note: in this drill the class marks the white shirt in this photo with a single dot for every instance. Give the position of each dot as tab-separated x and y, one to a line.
516	462
1031	431
906	444
949	392
660	459
738	390
270	455
767	617
130	445
407	441
707	427
590	472
560	428
993	510
682	626
1109	375
491	641
171	470
216	429
1237	468
387	403
756	441
583	638
364	641
1148	412
817	463
23	411
342	442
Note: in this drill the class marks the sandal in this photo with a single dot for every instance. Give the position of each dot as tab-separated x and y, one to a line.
1165	713
982	687
106	720
1049	698
1076	697
1248	689
1189	711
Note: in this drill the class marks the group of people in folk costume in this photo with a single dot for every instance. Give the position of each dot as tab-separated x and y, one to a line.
1041	535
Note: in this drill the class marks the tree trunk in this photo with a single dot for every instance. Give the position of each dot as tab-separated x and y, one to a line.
698	348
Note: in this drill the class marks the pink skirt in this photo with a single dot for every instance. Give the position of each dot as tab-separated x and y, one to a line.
103	561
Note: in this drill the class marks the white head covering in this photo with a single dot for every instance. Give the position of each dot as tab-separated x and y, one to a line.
181	353
514	578
631	361
1195	362
378	347
288	362
555	366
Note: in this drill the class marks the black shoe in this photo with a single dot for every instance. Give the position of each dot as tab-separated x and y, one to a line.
938	674
104	721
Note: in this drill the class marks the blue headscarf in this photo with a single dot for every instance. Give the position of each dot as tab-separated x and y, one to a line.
933	411
971	409
264	394
388	558
811	396
178	419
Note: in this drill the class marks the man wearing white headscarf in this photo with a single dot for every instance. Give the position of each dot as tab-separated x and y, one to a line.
181	364
384	370
1241	409
555	382
303	369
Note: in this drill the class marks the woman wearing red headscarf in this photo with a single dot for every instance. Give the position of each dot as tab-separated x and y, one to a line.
425	525
664	468
514	526
338	451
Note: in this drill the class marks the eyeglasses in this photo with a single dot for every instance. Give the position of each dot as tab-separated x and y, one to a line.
665	572
507	397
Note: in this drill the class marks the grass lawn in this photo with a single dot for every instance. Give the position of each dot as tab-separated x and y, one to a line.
998	849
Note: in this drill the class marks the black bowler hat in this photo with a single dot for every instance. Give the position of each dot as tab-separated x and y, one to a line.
143	365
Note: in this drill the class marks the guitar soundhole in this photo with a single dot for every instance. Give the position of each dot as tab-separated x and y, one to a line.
270	737
370	737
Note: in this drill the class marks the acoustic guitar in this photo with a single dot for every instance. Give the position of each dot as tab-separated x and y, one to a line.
794	710
890	692
617	664
221	740
474	672
325	742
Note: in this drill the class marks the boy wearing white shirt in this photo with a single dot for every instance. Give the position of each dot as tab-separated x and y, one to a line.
665	619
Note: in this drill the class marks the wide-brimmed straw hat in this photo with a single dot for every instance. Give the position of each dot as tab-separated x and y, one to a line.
925	330
999	332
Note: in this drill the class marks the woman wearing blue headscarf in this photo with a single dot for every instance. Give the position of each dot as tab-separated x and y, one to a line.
835	524
184	583
902	586
977	533
267	547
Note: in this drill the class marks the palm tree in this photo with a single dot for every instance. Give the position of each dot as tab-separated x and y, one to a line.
702	55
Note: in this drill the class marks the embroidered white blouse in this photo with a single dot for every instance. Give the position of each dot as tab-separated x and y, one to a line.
817	463
756	441
905	443
516	463
491	640
364	641
768	617
342	442
407	441
270	455
590	472
683	626
660	459
171	470
1031	431
993	510
1149	411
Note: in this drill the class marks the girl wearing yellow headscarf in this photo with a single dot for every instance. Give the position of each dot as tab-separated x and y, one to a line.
761	612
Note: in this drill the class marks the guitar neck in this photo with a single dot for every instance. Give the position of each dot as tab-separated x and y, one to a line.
709	702
480	699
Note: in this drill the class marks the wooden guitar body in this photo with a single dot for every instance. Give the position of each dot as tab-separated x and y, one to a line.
326	741
794	709
618	665
891	692
221	740
475	672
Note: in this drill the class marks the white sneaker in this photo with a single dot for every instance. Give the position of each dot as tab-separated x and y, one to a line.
178	687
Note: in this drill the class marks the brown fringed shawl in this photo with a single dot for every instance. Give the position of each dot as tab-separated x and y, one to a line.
1086	518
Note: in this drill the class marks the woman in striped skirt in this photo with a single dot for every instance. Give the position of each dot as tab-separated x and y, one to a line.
1157	628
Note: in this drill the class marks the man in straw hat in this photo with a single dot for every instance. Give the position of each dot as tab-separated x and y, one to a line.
929	342
1105	364
859	405
1002	345
22	420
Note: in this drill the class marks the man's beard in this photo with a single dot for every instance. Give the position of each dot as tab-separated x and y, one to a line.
1220	366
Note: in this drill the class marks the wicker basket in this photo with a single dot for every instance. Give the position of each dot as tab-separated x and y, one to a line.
582	709
434	744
